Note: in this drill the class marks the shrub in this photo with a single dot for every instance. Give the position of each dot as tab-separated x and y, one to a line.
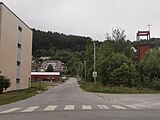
4	83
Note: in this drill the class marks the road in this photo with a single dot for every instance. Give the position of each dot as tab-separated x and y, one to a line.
68	102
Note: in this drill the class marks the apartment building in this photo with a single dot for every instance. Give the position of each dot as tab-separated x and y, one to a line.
15	49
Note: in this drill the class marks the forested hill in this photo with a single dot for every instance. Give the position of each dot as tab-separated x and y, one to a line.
153	42
43	42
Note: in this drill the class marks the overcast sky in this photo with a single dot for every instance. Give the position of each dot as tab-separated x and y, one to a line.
91	18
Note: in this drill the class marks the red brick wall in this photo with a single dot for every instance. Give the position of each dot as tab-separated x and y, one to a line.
142	51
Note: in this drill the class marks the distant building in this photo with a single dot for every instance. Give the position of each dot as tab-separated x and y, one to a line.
15	49
56	64
44	58
55	76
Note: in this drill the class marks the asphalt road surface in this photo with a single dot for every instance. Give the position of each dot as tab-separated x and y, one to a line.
68	102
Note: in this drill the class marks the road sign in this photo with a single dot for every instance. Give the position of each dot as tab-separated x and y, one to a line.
95	74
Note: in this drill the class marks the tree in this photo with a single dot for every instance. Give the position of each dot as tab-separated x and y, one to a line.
67	48
121	76
49	68
117	43
118	34
48	40
125	75
4	83
149	69
62	55
108	65
114	58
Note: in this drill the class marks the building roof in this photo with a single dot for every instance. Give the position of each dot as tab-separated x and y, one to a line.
45	73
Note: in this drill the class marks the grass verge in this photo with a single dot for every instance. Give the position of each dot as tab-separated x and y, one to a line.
14	96
99	88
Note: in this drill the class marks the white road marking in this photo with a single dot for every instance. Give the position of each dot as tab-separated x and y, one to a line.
133	107
30	109
69	107
10	110
103	107
86	107
50	108
118	107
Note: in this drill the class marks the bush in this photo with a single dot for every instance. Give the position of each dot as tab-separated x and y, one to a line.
156	85
121	75
4	83
113	68
149	70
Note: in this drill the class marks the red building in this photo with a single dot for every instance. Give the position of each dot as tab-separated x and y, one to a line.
142	50
45	75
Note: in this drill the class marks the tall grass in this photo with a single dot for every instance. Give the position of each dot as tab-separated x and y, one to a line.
99	88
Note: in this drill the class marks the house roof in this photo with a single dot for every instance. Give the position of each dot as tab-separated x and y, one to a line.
45	73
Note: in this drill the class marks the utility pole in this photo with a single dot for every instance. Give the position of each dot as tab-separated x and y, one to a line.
94	72
85	70
79	71
82	69
77	74
149	26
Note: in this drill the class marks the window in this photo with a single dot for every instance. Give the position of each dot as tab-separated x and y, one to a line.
19	45
18	63
17	81
19	28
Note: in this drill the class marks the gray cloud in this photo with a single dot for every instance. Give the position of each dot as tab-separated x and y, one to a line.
89	17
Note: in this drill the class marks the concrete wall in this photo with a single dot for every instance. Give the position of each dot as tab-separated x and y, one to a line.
10	53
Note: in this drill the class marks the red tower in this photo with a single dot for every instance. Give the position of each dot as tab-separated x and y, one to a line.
142	48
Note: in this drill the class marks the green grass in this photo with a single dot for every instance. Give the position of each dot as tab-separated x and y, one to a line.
14	96
99	88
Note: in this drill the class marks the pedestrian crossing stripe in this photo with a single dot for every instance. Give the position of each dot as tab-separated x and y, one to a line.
10	110
118	107
69	107
103	107
86	107
133	107
50	108
30	109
